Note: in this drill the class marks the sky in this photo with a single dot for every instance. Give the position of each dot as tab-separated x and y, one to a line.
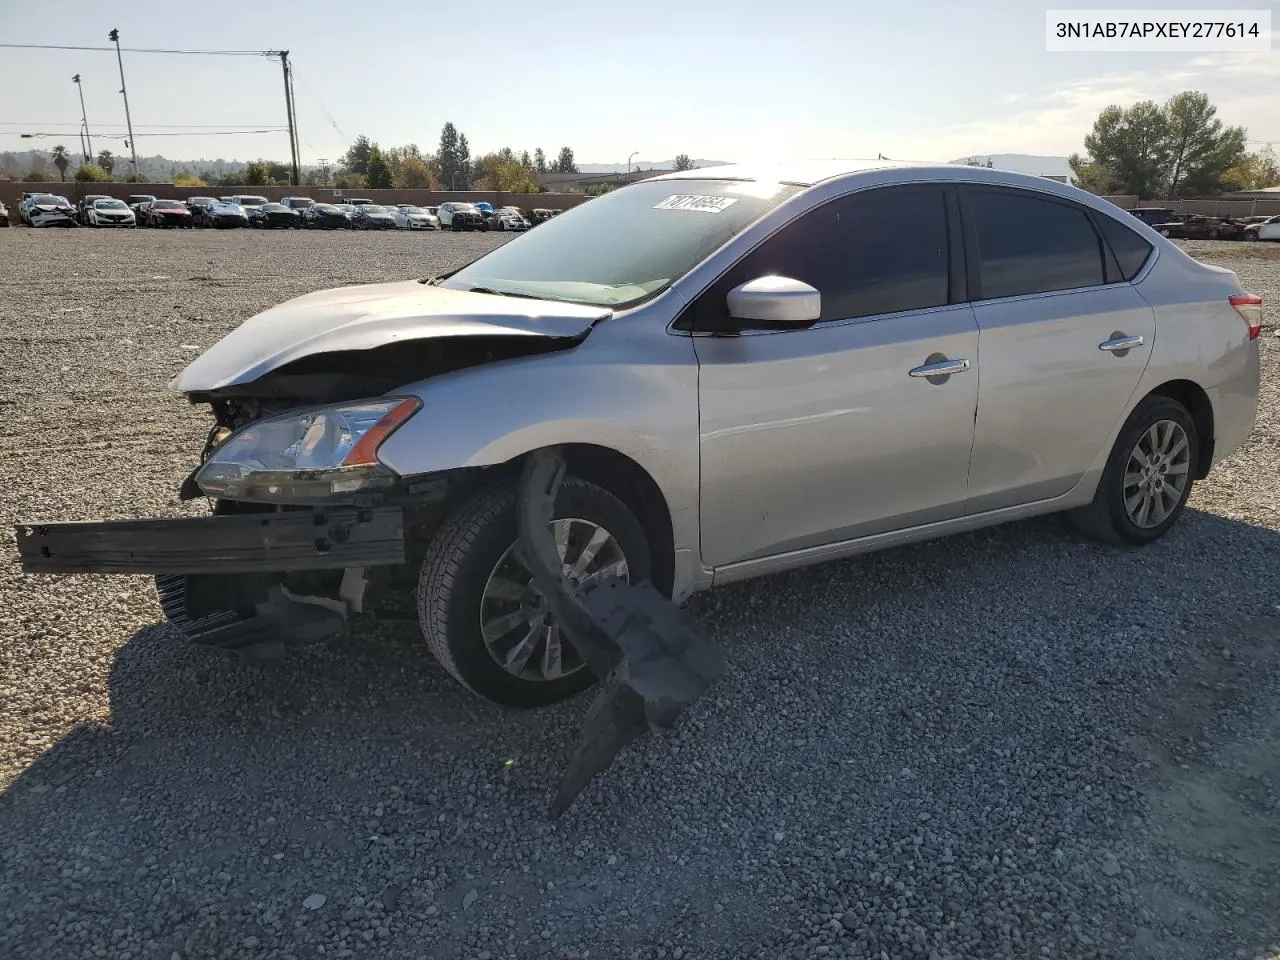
912	79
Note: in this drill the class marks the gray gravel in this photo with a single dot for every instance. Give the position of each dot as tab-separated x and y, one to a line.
1008	744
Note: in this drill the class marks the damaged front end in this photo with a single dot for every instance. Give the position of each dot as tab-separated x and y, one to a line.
305	517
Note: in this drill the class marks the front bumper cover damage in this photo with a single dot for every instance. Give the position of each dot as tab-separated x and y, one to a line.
220	582
220	579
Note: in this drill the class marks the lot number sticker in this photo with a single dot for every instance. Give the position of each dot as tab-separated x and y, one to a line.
683	201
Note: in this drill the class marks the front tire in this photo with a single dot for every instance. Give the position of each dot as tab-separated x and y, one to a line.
475	605
1148	476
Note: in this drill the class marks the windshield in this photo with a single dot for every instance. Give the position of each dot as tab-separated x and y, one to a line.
464	208
225	206
109	204
47	200
252	201
668	226
413	211
276	208
372	208
510	211
167	205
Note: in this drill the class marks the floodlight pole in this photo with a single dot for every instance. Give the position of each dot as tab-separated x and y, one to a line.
114	36
84	118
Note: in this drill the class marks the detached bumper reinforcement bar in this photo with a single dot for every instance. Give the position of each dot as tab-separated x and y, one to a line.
321	539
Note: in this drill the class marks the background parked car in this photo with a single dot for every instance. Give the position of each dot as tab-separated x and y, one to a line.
137	202
507	218
356	201
109	212
82	207
326	216
371	216
485	207
539	215
47	210
409	217
247	200
273	216
1196	227
1268	229
167	213
460	216
4	215
222	215
1152	216
297	203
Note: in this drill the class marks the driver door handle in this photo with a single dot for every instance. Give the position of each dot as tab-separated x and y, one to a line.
943	368
1121	343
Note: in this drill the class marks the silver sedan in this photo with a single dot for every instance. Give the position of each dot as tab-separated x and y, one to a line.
779	366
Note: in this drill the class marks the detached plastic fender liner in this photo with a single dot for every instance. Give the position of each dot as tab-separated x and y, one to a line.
319	539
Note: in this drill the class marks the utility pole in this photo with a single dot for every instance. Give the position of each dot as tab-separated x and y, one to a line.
84	118
288	103
114	36
633	153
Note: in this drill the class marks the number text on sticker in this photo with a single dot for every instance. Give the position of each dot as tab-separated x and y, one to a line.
696	203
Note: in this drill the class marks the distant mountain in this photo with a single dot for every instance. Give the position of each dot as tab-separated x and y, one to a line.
643	165
1023	163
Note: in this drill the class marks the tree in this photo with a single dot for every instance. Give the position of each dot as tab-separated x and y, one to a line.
449	157
524	159
106	160
564	162
277	172
414	174
1153	151
1201	149
682	162
61	160
599	189
186	179
36	174
464	163
539	161
91	173
255	174
1255	171
356	159
975	162
506	176
379	175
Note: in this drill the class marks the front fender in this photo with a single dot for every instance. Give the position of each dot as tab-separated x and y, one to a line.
631	393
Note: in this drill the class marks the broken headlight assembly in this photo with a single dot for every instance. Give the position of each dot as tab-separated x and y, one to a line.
321	453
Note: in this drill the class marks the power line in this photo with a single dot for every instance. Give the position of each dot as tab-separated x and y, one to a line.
121	136
332	122
207	53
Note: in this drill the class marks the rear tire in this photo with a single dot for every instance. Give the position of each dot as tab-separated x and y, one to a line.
1110	517
468	548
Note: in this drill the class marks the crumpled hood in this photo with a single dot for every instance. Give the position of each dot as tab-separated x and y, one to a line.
373	315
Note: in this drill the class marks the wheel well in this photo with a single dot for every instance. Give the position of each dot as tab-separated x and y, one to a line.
630	483
1192	396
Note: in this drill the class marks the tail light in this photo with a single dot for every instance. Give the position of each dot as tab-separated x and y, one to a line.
1249	307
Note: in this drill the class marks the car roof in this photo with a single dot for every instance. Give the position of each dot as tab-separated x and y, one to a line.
807	173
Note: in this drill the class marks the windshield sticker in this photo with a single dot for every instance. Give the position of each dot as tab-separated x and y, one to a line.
692	202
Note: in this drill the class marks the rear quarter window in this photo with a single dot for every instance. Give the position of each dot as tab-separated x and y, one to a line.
1130	249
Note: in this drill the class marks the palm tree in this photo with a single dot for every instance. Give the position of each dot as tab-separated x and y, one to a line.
106	161
61	160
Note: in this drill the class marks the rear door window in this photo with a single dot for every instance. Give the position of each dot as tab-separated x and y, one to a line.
1029	244
1130	249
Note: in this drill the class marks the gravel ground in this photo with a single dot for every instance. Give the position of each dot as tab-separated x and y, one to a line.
1008	744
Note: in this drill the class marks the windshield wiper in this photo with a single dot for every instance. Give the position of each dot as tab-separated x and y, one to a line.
505	293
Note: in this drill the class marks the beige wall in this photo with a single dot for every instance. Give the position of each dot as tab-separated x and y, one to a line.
1209	208
12	191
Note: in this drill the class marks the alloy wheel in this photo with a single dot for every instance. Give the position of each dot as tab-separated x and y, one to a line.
1156	474
516	622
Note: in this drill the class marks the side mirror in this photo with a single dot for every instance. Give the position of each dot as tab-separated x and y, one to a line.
775	300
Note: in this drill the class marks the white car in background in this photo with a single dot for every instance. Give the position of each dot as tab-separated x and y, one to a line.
1267	230
409	217
110	212
47	210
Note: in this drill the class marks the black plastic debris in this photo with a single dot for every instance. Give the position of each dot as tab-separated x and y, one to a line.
653	658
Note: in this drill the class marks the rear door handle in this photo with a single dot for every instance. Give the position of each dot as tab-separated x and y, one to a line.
941	368
1122	343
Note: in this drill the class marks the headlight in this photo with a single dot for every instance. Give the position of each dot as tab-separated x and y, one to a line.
318	454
